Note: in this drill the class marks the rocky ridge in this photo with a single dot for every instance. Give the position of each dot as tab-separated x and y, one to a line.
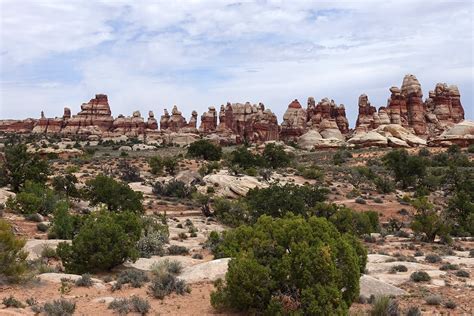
405	121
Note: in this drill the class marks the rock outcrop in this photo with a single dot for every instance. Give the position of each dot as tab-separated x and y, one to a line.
294	121
461	134
392	135
319	125
94	118
325	117
405	107
326	110
247	122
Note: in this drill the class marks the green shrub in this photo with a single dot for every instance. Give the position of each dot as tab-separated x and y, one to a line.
433	300
117	196
229	212
173	188
358	223
135	304
66	185
204	149
85	280
120	305
42	227
48	252
12	256
279	200
384	185
420	276
407	169
427	221
171	165
167	283
341	157
450	304
167	266
175	250
470	149
275	156
432	258
61	307
398	268
64	225
104	241
308	256
20	166
156	165
128	172
384	306
462	274
449	266
154	236
136	278
12	302
243	158
461	210
414	311
34	198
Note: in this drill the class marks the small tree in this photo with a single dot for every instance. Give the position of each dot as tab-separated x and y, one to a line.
407	169
427	221
128	172
66	185
12	256
117	196
243	158
20	166
104	241
204	149
171	165
156	165
275	156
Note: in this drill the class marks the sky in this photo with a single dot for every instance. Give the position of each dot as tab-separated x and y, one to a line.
150	55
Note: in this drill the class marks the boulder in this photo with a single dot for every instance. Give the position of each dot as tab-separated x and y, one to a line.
313	139
34	247
461	134
232	186
205	272
145	264
372	286
367	139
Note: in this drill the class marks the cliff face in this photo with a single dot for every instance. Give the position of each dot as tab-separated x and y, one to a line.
239	122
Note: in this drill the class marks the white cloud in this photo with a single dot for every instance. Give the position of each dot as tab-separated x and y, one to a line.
153	54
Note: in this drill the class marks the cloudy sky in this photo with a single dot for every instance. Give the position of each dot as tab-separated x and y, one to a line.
149	55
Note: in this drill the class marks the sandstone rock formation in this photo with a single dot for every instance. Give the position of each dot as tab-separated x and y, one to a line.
294	121
326	110
405	107
209	120
326	118
248	122
461	134
392	135
321	124
95	117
